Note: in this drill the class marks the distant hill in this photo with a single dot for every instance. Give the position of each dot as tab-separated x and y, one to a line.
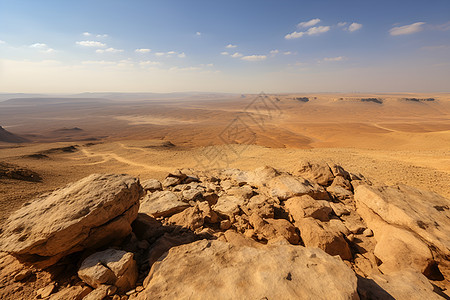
8	137
40	101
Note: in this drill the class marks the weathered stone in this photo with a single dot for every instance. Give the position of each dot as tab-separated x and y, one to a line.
286	186
271	229
72	293
228	205
162	204
151	185
249	273
89	213
318	173
318	234
110	267
305	206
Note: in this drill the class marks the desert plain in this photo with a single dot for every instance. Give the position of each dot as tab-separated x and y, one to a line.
391	139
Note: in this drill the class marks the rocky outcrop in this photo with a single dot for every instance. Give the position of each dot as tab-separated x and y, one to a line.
89	213
218	270
233	234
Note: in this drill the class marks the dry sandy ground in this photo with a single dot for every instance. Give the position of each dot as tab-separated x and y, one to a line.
397	141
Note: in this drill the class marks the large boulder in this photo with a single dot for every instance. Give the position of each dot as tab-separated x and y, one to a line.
89	213
410	226
286	186
219	270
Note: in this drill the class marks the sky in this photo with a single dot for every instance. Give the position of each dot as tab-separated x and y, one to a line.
224	46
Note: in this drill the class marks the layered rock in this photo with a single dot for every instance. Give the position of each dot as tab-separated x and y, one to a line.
89	213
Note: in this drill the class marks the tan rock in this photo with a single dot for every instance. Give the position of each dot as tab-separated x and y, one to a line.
228	205
76	292
271	229
151	185
46	291
305	206
162	204
110	267
249	273
89	213
318	173
318	234
286	186
425	213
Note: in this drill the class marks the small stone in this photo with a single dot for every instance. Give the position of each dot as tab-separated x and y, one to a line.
116	297
225	225
351	237
368	232
22	275
111	290
130	292
46	291
139	288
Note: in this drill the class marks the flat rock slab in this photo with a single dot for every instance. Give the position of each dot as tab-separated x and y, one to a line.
162	204
89	213
218	270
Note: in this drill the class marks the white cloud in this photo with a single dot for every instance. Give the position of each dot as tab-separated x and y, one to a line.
224	53
254	57
308	23
181	55
311	31
341	24
160	53
108	50
98	62
143	50
198	33
407	29
236	55
354	26
91	44
274	52
287	53
43	48
210	65
102	35
87	34
170	54
149	63
337	58
2	42
230	46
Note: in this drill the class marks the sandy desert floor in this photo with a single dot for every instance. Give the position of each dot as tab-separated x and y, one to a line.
396	141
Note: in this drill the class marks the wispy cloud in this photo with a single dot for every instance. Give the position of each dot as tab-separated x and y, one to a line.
274	52
341	24
149	63
236	55
91	44
311	31
438	47
143	50
102	35
170	54
308	23
331	59
230	46
354	27
254	57
287	53
407	29
2	42
198	33
98	62
43	48
86	34
224	53
108	50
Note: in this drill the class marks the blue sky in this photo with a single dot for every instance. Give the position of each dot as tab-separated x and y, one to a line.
225	46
